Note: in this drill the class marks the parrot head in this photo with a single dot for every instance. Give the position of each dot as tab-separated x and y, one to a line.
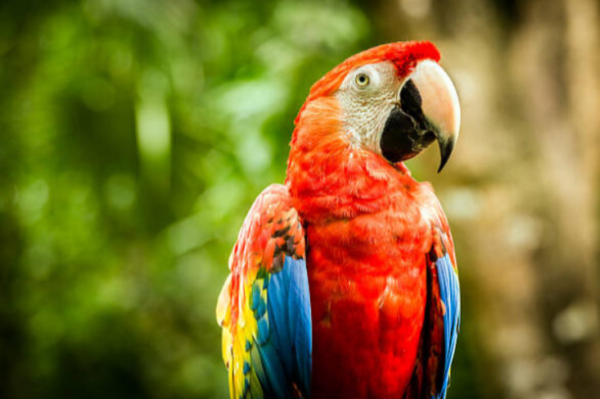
393	100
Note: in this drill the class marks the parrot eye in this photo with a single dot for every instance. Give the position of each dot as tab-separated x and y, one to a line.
362	80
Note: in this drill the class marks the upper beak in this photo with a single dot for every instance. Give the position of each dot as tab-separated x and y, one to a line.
439	104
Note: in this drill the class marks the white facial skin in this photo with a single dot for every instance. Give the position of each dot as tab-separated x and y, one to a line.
369	93
367	96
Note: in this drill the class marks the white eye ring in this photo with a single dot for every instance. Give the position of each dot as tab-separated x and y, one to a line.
362	80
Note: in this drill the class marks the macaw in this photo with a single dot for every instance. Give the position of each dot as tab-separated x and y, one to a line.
343	282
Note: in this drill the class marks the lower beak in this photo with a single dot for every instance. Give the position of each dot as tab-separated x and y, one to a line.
403	137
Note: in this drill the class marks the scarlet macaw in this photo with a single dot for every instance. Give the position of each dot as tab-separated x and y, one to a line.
343	281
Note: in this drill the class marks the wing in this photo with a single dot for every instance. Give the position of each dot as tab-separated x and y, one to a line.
264	307
442	319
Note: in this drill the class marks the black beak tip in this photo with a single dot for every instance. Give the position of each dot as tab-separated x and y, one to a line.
446	148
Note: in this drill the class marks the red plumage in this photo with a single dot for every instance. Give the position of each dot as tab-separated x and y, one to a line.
368	241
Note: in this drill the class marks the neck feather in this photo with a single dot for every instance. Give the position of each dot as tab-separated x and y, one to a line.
329	178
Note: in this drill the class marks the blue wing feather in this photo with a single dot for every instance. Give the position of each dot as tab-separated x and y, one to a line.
450	295
299	302
284	341
264	306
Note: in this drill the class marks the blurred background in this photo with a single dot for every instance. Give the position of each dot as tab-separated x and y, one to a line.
135	134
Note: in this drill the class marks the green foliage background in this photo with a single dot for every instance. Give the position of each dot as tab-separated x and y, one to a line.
134	136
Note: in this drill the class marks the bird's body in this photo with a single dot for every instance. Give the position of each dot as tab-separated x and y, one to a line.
366	269
357	319
342	284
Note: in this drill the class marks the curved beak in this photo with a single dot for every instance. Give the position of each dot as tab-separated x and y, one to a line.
439	104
